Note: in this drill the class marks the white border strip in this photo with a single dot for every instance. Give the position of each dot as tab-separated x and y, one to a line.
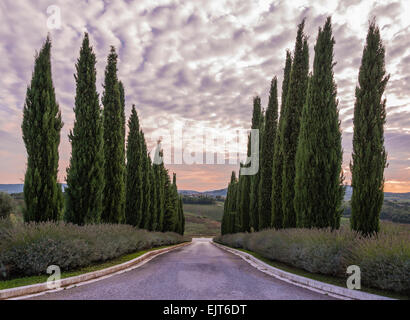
41	288
313	285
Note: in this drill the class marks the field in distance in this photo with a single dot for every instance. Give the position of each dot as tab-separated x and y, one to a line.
203	219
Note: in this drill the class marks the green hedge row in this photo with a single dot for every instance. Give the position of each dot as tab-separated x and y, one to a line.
28	249
384	260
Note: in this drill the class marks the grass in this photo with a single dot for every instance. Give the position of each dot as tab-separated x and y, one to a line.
25	281
323	278
196	225
210	211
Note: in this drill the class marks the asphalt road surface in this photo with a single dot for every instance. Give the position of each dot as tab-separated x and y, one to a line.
198	271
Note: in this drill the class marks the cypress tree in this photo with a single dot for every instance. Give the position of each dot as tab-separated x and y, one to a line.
181	217
134	192
114	190
244	205
257	123
229	206
277	170
268	146
41	128
169	213
122	100
85	175
235	223
369	155
154	201
319	184
159	185
161	174
177	210
146	184
176	196
294	104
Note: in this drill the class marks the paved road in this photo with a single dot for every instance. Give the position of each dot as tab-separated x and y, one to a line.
198	271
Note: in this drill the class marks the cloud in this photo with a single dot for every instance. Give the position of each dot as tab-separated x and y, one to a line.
196	60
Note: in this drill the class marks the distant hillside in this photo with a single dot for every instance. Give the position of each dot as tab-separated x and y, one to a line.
215	193
348	193
16	188
211	193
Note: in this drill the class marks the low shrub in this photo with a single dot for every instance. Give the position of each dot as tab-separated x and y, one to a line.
29	248
6	205
384	259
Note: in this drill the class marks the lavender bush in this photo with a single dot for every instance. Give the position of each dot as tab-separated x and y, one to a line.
384	259
28	249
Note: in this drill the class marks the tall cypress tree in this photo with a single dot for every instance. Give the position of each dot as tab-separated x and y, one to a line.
41	128
291	124
268	146
154	200
159	185
176	205
245	195
114	190
319	184
257	123
134	192
85	175
170	214
146	184
181	216
229	206
369	155
277	170
122	99
236	219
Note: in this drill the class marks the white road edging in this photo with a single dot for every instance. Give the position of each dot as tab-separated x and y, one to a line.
313	285
41	288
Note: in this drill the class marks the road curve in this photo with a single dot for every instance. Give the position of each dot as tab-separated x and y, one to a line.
199	271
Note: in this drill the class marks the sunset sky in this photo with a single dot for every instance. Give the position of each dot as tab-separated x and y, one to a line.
196	65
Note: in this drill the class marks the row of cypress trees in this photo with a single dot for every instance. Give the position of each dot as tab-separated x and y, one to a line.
300	181
152	201
101	185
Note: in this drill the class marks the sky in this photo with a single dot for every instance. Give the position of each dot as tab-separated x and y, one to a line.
194	67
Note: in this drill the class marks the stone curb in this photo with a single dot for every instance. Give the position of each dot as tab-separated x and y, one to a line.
42	287
314	285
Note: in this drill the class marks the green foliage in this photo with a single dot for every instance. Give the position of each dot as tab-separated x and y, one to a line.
134	190
257	123
114	190
369	155
170	212
244	201
319	181
85	175
268	146
154	201
41	128
181	217
383	259
291	124
6	205
146	185
202	199
277	170
228	222
28	249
